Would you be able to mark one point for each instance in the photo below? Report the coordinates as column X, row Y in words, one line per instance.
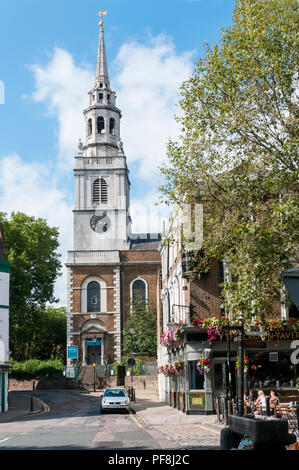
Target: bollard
column 31, row 403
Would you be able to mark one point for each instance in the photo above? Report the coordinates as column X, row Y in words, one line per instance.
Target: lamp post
column 132, row 332
column 240, row 393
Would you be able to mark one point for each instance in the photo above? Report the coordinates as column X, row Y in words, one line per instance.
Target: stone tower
column 108, row 265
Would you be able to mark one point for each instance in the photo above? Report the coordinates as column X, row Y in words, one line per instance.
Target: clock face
column 100, row 222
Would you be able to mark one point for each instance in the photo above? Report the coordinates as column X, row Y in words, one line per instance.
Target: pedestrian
column 260, row 403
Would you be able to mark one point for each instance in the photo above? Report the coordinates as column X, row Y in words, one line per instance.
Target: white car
column 115, row 398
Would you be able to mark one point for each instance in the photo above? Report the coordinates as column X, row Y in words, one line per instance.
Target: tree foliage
column 237, row 153
column 144, row 320
column 32, row 252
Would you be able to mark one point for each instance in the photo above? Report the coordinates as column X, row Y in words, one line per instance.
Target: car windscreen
column 115, row 393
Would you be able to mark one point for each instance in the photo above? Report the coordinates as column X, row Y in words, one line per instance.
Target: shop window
column 93, row 297
column 196, row 380
column 267, row 369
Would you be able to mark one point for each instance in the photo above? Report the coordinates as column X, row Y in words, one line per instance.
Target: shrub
column 34, row 369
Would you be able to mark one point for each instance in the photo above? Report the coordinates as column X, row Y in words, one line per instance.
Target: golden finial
column 101, row 14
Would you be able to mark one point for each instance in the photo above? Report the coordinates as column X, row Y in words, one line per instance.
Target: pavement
column 149, row 412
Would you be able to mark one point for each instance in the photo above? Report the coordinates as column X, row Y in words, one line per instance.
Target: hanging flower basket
column 245, row 362
column 203, row 366
column 179, row 366
column 167, row 338
column 169, row 370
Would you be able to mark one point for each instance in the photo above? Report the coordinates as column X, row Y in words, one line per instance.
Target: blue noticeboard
column 72, row 352
column 98, row 342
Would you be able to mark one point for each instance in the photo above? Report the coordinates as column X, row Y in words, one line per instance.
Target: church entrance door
column 93, row 352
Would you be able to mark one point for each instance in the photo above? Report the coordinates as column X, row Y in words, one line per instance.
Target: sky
column 47, row 66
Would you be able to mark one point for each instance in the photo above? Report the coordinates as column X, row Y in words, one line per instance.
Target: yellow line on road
column 135, row 419
column 208, row 429
column 44, row 405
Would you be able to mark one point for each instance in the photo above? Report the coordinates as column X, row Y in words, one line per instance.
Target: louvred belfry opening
column 96, row 191
column 104, row 190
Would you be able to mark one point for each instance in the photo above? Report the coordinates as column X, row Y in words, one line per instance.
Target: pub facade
column 194, row 344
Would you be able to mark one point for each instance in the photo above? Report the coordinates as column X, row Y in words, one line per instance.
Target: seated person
column 250, row 399
column 260, row 403
column 267, row 382
column 274, row 400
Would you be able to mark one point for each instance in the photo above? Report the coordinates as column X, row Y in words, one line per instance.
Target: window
column 101, row 85
column 89, row 125
column 104, row 191
column 96, row 191
column 100, row 124
column 197, row 381
column 93, row 297
column 100, row 96
column 111, row 125
column 108, row 98
column 139, row 291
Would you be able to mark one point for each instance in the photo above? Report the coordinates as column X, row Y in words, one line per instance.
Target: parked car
column 115, row 398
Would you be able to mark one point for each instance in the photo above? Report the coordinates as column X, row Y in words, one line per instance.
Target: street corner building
column 109, row 265
column 198, row 358
column 4, row 322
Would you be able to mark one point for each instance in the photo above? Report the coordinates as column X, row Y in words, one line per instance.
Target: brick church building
column 109, row 265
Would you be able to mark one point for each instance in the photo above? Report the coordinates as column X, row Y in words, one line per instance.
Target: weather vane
column 101, row 14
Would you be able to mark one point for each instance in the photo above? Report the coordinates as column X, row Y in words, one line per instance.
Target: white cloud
column 63, row 87
column 148, row 80
column 147, row 216
column 30, row 188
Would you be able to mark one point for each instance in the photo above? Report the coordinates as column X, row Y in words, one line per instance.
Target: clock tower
column 109, row 266
column 101, row 213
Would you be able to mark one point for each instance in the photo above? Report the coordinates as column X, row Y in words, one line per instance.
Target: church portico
column 92, row 339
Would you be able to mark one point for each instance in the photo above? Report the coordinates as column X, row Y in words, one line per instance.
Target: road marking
column 6, row 439
column 135, row 419
column 44, row 405
column 208, row 429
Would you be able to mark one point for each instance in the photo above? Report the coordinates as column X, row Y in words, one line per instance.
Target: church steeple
column 102, row 116
column 101, row 69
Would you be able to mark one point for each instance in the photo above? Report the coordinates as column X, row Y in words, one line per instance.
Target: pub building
column 269, row 367
column 191, row 388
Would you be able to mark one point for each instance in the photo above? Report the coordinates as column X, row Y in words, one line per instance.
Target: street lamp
column 132, row 332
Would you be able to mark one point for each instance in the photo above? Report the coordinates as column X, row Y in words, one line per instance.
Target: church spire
column 102, row 69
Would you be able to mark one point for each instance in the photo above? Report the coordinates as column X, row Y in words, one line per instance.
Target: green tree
column 31, row 249
column 144, row 320
column 48, row 334
column 238, row 151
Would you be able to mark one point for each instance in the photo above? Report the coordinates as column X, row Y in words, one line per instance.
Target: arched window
column 112, row 126
column 96, row 190
column 104, row 191
column 89, row 125
column 93, row 297
column 100, row 124
column 139, row 291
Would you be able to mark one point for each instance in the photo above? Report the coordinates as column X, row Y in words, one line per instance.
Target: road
column 72, row 421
